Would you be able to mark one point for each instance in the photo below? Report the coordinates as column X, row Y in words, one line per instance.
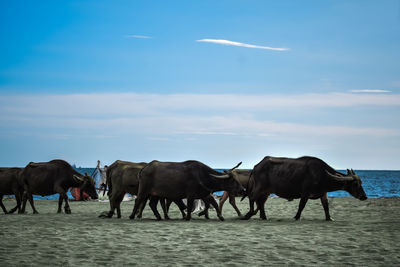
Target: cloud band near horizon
column 233, row 43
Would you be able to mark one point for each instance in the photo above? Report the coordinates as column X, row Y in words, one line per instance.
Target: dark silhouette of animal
column 122, row 178
column 178, row 180
column 304, row 178
column 11, row 184
column 56, row 176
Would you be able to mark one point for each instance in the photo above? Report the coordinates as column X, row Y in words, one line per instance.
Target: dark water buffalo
column 304, row 178
column 179, row 180
column 121, row 179
column 56, row 176
column 11, row 184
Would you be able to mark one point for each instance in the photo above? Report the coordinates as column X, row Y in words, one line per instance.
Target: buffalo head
column 88, row 186
column 354, row 187
column 229, row 183
column 352, row 184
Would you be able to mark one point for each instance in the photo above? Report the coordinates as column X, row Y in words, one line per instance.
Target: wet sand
column 363, row 234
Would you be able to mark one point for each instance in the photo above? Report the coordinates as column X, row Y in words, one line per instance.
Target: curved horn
column 225, row 176
column 340, row 178
column 76, row 177
column 235, row 166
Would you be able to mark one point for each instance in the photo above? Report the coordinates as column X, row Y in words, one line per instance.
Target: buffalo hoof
column 246, row 217
column 296, row 218
column 105, row 214
column 221, row 218
column 201, row 213
column 132, row 217
column 35, row 212
column 67, row 211
column 329, row 219
column 11, row 211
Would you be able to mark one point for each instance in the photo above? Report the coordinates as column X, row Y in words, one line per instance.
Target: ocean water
column 376, row 184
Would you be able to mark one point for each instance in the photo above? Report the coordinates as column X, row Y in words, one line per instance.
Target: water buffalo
column 56, row 176
column 178, row 180
column 11, row 184
column 304, row 178
column 121, row 178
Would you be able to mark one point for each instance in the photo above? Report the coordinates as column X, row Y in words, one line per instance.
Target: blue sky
column 216, row 81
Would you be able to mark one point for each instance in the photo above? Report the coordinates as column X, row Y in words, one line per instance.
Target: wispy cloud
column 138, row 36
column 229, row 115
column 376, row 91
column 227, row 42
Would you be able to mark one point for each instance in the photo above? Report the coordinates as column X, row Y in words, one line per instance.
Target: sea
column 376, row 184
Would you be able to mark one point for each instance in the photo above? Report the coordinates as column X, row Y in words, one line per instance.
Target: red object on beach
column 75, row 192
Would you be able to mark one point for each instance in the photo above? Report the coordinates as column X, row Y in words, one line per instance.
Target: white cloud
column 138, row 36
column 181, row 114
column 227, row 42
column 370, row 91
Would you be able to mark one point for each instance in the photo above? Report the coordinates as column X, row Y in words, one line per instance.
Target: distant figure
column 100, row 176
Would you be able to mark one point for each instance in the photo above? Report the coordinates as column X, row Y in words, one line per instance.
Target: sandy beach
column 363, row 234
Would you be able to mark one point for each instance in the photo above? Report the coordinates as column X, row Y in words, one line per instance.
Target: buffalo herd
column 166, row 182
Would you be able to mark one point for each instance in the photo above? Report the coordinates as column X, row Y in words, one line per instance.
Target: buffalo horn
column 78, row 178
column 236, row 166
column 225, row 176
column 340, row 178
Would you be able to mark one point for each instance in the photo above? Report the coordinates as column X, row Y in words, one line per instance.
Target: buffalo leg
column 29, row 196
column 2, row 205
column 141, row 208
column 24, row 196
column 222, row 200
column 18, row 199
column 210, row 200
column 67, row 209
column 181, row 207
column 206, row 209
column 260, row 206
column 189, row 208
column 302, row 204
column 164, row 208
column 232, row 201
column 60, row 201
column 117, row 205
column 138, row 202
column 251, row 210
column 153, row 206
column 324, row 201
